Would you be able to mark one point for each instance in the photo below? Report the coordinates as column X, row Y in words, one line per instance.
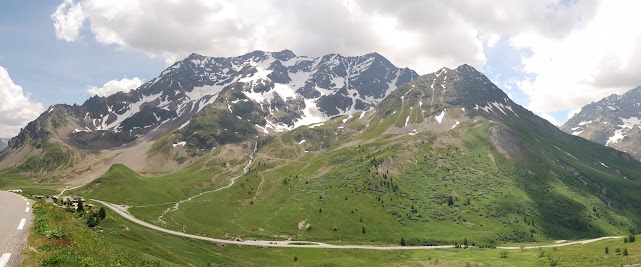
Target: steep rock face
column 614, row 121
column 505, row 141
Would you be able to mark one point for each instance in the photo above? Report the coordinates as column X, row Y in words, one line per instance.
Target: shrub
column 92, row 221
column 102, row 213
column 503, row 254
column 56, row 234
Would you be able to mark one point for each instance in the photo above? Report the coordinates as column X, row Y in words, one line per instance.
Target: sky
column 552, row 57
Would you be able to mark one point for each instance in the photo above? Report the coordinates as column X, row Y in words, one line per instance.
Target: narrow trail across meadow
column 231, row 183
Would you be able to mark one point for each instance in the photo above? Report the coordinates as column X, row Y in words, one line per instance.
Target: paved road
column 15, row 221
column 122, row 211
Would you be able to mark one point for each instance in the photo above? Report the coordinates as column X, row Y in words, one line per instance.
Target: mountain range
column 276, row 145
column 265, row 93
column 613, row 121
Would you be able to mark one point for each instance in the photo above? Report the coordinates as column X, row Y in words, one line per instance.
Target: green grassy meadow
column 116, row 241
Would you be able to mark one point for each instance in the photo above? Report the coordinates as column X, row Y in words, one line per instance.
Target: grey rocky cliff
column 614, row 121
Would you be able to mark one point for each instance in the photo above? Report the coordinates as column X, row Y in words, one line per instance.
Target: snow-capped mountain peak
column 613, row 121
column 274, row 91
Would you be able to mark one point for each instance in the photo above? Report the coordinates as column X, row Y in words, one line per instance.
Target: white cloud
column 574, row 52
column 114, row 86
column 422, row 34
column 597, row 58
column 16, row 110
column 172, row 30
column 549, row 118
column 67, row 20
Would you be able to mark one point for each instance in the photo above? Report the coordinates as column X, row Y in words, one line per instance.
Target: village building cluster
column 65, row 201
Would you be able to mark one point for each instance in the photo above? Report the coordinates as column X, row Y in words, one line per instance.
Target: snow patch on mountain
column 182, row 143
column 631, row 122
column 311, row 114
column 456, row 123
column 618, row 136
column 439, row 117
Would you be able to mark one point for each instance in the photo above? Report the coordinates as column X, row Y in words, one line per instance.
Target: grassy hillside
column 122, row 185
column 12, row 179
column 399, row 186
column 59, row 238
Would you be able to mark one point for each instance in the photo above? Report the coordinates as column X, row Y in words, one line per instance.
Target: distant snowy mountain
column 4, row 142
column 614, row 121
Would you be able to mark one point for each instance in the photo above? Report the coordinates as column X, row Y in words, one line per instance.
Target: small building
column 72, row 199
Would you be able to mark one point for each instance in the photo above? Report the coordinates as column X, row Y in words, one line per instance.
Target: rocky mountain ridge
column 274, row 91
column 614, row 121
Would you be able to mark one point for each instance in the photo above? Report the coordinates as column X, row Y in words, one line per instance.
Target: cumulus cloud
column 172, row 30
column 67, row 20
column 549, row 118
column 424, row 35
column 573, row 52
column 114, row 86
column 16, row 110
column 594, row 60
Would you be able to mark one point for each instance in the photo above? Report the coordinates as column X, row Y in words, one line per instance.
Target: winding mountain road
column 122, row 211
column 15, row 221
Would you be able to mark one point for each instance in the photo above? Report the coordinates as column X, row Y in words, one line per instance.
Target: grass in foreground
column 60, row 238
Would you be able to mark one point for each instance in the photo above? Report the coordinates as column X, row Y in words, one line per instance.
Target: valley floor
column 122, row 211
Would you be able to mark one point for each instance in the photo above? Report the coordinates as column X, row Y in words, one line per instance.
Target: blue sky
column 56, row 71
column 550, row 56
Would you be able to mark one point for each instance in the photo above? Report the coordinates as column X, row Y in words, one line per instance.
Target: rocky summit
column 614, row 121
